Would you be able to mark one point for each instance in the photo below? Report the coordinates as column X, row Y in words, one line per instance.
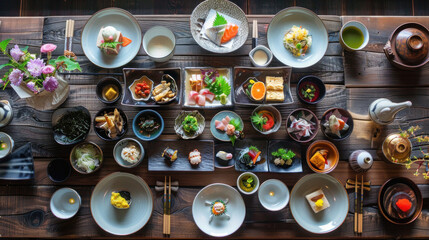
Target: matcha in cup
column 354, row 36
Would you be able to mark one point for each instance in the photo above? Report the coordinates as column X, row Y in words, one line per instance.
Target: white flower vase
column 45, row 100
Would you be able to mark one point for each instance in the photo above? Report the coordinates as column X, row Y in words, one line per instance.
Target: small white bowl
column 60, row 205
column 5, row 138
column 255, row 178
column 117, row 150
column 359, row 26
column 266, row 50
column 163, row 50
column 273, row 194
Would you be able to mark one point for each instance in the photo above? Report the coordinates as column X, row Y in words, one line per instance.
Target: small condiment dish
column 276, row 115
column 7, row 144
column 319, row 89
column 254, row 58
column 159, row 43
column 240, row 186
column 65, row 203
column 73, row 157
column 137, row 130
column 273, row 194
column 333, row 155
column 119, row 146
column 58, row 170
column 103, row 86
column 132, row 87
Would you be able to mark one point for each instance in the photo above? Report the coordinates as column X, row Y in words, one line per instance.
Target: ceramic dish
column 65, row 203
column 297, row 16
column 119, row 221
column 187, row 88
column 273, row 195
column 58, row 170
column 310, row 117
column 228, row 8
column 295, row 147
column 179, row 126
column 253, row 57
column 19, row 165
column 148, row 115
column 315, row 85
column 332, row 159
column 218, row 134
column 242, row 148
column 156, row 75
column 101, row 133
column 157, row 162
column 235, row 208
column 243, row 74
column 74, row 157
column 143, row 80
column 159, row 43
column 228, row 148
column 83, row 123
column 7, row 144
column 400, row 188
column 340, row 114
column 124, row 22
column 243, row 179
column 273, row 112
column 103, row 86
column 327, row 220
column 119, row 147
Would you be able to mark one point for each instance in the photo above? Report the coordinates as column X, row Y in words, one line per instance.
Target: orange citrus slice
column 258, row 91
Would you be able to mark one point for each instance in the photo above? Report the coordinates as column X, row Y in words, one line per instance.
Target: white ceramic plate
column 121, row 221
column 285, row 20
column 324, row 221
column 124, row 22
column 235, row 208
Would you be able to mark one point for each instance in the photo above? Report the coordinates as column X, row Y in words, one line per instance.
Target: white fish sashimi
column 201, row 100
column 224, row 155
column 219, row 125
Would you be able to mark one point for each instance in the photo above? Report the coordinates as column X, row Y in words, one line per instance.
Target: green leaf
column 24, row 49
column 4, row 43
column 236, row 123
column 110, row 44
column 5, row 65
column 70, row 63
column 219, row 20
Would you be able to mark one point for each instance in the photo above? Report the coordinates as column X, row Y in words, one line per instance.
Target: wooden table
column 354, row 81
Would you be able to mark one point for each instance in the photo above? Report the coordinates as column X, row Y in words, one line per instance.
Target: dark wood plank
column 380, row 7
column 269, row 6
column 10, row 8
column 370, row 67
column 322, row 7
column 421, row 8
column 65, row 7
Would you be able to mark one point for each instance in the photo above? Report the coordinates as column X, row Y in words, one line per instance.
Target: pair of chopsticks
column 358, row 215
column 68, row 38
column 255, row 33
column 167, row 207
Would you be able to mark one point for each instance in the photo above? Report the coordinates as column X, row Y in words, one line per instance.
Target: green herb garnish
column 285, row 155
column 219, row 86
column 258, row 120
column 219, row 20
column 110, row 44
column 308, row 91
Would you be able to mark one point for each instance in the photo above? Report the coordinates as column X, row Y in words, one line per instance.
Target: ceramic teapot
column 383, row 111
column 407, row 47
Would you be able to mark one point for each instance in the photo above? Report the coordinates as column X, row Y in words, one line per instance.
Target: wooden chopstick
column 164, row 225
column 255, row 33
column 350, row 186
column 360, row 217
column 356, row 207
column 169, row 206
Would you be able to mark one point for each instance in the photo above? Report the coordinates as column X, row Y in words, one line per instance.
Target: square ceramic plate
column 131, row 74
column 227, row 72
column 296, row 166
column 226, row 147
column 240, row 145
column 242, row 74
column 158, row 163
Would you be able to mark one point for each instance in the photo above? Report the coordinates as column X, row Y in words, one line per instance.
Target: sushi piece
column 318, row 201
column 194, row 157
column 218, row 209
column 169, row 154
column 224, row 155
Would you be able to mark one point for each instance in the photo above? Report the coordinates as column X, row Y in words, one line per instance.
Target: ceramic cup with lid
column 159, row 43
column 396, row 149
column 354, row 27
column 360, row 161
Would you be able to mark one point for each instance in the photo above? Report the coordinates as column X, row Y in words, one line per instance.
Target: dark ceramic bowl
column 155, row 134
column 345, row 115
column 298, row 113
column 59, row 136
column 333, row 155
column 317, row 83
column 277, row 118
column 103, row 134
column 59, row 170
column 105, row 82
column 396, row 182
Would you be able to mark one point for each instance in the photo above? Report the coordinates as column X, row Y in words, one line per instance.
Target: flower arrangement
column 422, row 160
column 36, row 73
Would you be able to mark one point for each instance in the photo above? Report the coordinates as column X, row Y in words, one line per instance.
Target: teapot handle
column 388, row 50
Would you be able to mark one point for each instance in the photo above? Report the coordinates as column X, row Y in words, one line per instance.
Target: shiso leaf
column 219, row 20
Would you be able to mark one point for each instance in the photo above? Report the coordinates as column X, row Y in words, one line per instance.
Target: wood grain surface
column 353, row 80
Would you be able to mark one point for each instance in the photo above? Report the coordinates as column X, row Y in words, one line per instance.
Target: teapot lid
column 409, row 45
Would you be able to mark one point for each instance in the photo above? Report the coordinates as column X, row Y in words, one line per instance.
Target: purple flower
column 33, row 87
column 16, row 53
column 47, row 48
column 35, row 67
column 50, row 84
column 16, row 76
column 48, row 69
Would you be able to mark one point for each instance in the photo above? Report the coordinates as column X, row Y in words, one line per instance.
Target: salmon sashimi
column 231, row 31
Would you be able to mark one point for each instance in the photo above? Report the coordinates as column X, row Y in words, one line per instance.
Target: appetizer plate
column 60, row 137
column 242, row 75
column 158, row 163
column 124, row 22
column 121, row 221
column 295, row 147
column 261, row 166
column 298, row 16
column 226, row 147
column 218, row 134
column 226, row 7
column 226, row 72
column 155, row 75
column 178, row 126
column 324, row 221
column 101, row 133
column 235, row 208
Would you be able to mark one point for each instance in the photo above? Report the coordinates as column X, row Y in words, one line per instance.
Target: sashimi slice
column 191, row 101
column 226, row 120
column 193, row 95
column 231, row 31
column 219, row 125
column 201, row 100
column 210, row 97
column 204, row 91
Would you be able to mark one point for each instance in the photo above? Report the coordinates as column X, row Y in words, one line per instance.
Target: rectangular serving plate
column 296, row 166
column 187, row 88
column 241, row 74
column 155, row 74
column 157, row 163
column 240, row 145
